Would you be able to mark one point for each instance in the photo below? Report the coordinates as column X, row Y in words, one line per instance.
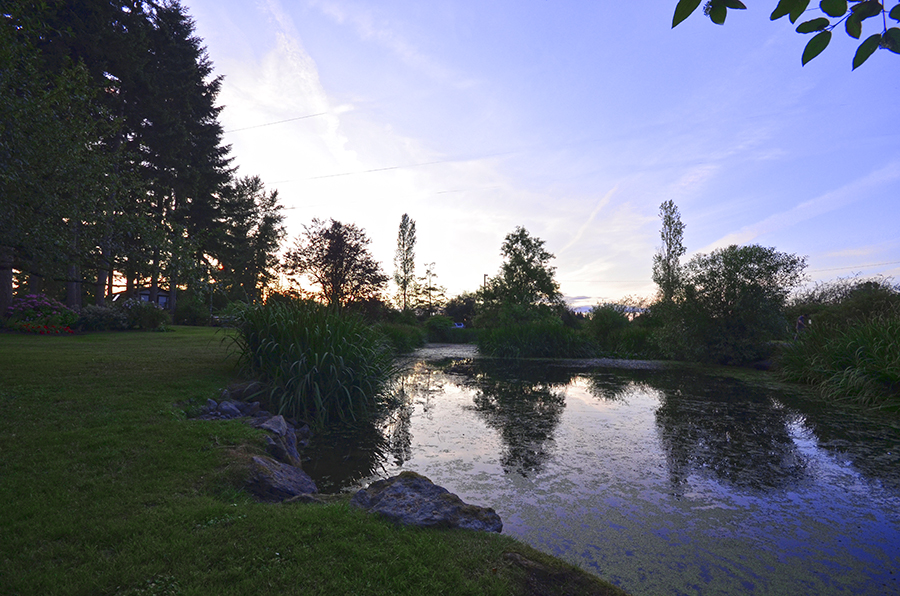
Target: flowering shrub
column 41, row 329
column 37, row 313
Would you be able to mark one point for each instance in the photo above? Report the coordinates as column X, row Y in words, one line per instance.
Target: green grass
column 318, row 365
column 107, row 488
column 856, row 361
column 545, row 339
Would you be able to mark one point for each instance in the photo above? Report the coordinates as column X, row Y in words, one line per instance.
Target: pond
column 661, row 480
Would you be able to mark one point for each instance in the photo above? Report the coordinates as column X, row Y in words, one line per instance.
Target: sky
column 573, row 119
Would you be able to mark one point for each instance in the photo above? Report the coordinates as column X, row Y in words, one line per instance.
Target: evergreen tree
column 249, row 235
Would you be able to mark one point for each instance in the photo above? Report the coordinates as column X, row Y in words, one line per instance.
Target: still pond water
column 661, row 481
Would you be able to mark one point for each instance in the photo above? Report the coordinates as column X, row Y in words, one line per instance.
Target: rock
column 282, row 445
column 412, row 499
column 228, row 409
column 273, row 481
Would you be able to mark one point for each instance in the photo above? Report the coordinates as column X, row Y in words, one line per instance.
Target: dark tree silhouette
column 335, row 257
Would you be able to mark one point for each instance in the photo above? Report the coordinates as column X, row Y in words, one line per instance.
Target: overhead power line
column 855, row 267
column 274, row 123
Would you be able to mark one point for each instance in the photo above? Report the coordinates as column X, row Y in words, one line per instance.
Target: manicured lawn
column 107, row 488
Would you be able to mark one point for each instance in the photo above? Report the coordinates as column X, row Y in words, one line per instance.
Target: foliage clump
column 318, row 364
column 849, row 348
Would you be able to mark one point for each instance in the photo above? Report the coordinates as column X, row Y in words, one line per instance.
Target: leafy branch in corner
column 851, row 14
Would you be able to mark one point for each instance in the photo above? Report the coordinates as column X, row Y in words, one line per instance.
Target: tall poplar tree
column 404, row 260
column 666, row 261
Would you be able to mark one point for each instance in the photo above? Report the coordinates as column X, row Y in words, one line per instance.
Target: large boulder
column 273, row 481
column 412, row 499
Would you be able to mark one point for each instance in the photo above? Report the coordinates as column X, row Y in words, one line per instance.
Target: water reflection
column 524, row 411
column 663, row 481
column 735, row 432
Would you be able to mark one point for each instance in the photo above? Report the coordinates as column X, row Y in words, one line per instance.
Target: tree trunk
column 6, row 279
column 35, row 283
column 103, row 274
column 154, row 277
column 73, row 287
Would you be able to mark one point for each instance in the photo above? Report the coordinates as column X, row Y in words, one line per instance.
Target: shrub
column 403, row 338
column 850, row 351
column 859, row 361
column 318, row 365
column 142, row 314
column 190, row 311
column 37, row 313
column 543, row 339
column 438, row 328
column 101, row 318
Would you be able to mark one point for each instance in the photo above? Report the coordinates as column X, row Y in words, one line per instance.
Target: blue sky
column 572, row 119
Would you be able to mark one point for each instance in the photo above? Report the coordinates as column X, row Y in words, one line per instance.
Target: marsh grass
column 317, row 364
column 858, row 360
column 544, row 339
column 402, row 337
column 107, row 488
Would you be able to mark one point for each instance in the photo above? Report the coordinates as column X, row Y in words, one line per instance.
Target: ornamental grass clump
column 37, row 313
column 317, row 364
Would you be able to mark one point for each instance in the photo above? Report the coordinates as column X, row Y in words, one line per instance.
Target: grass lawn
column 107, row 488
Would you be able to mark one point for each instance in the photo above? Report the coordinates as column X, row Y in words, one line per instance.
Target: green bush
column 850, row 350
column 318, row 365
column 438, row 328
column 542, row 339
column 190, row 311
column 142, row 314
column 101, row 318
column 403, row 338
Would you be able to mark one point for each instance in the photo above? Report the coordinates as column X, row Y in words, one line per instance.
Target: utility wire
column 855, row 267
column 274, row 123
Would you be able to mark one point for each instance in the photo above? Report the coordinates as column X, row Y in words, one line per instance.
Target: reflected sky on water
column 662, row 481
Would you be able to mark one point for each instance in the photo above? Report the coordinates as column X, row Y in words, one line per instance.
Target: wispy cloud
column 830, row 201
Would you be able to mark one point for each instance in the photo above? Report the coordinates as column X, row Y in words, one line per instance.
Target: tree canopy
column 666, row 261
column 525, row 288
column 834, row 13
column 335, row 257
column 404, row 260
column 111, row 153
column 732, row 302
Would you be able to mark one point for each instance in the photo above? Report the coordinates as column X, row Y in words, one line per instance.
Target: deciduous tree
column 526, row 288
column 335, row 257
column 666, row 261
column 404, row 260
column 733, row 302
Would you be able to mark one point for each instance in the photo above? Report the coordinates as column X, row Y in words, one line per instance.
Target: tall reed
column 545, row 339
column 317, row 364
column 857, row 360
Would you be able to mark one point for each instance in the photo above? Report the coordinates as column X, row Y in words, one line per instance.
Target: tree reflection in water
column 523, row 402
column 735, row 432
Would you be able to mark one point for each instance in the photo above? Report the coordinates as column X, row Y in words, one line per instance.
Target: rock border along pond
column 407, row 498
